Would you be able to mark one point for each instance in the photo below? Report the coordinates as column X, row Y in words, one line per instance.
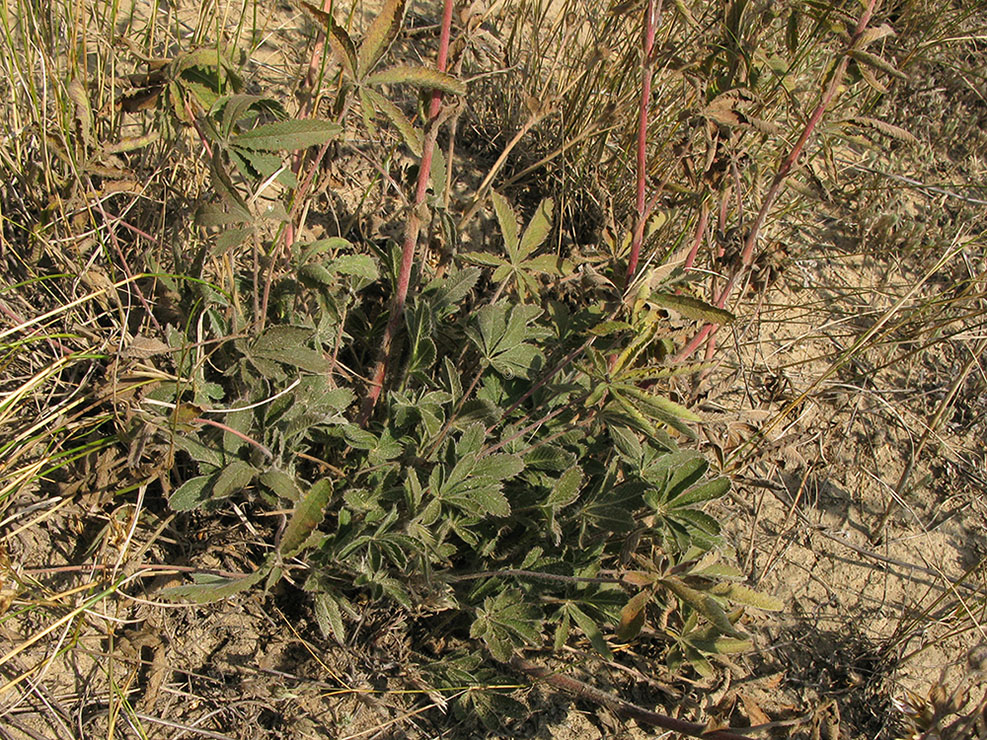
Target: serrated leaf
column 429, row 79
column 482, row 258
column 744, row 595
column 380, row 35
column 872, row 60
column 491, row 500
column 280, row 484
column 230, row 239
column 411, row 135
column 498, row 467
column 591, row 630
column 632, row 616
column 358, row 265
column 234, row 477
column 453, row 288
column 330, row 618
column 508, row 223
column 214, row 215
column 339, row 40
column 693, row 308
column 213, row 589
column 606, row 328
column 288, row 135
column 82, row 110
column 192, row 493
column 566, row 488
column 538, row 228
column 307, row 516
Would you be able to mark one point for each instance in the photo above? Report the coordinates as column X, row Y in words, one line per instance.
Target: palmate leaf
column 703, row 603
column 501, row 338
column 428, row 79
column 506, row 621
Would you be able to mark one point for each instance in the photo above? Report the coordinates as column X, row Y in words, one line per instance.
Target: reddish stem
column 745, row 258
column 413, row 226
column 648, row 43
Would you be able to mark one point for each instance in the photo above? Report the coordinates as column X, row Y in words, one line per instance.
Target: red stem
column 783, row 171
column 413, row 226
column 648, row 43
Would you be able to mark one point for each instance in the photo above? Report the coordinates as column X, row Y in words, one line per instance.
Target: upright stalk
column 648, row 45
column 413, row 225
column 786, row 166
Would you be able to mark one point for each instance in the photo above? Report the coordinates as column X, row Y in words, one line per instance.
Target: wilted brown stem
column 619, row 706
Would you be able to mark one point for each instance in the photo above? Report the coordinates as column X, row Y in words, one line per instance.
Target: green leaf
column 744, row 595
column 358, row 265
column 230, row 239
column 285, row 344
column 380, row 35
column 872, row 60
column 234, row 477
column 483, row 258
column 566, row 488
column 288, row 135
column 707, row 491
column 192, row 493
column 508, row 223
column 212, row 588
column 490, row 500
column 538, row 228
column 591, row 630
column 498, row 467
column 307, row 516
column 659, row 406
column 423, row 77
column 412, row 136
column 506, row 621
column 693, row 308
column 329, row 617
column 704, row 604
column 280, row 484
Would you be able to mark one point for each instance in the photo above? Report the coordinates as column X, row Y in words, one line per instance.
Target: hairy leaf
column 288, row 135
column 418, row 76
column 306, row 517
